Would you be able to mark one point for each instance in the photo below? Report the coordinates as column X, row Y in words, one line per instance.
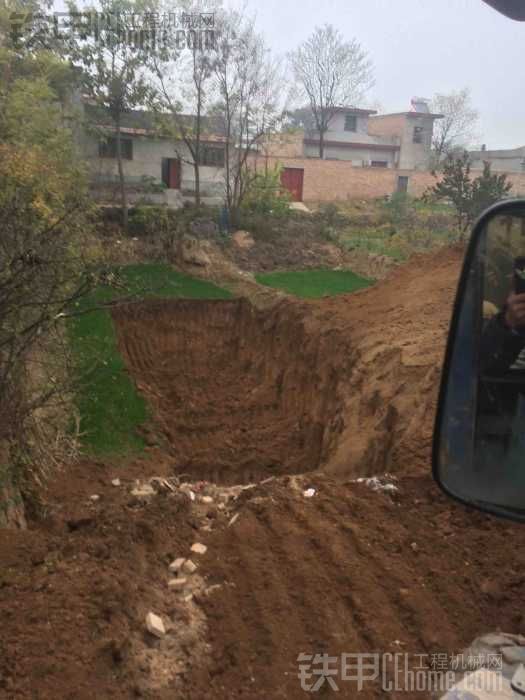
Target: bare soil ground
column 314, row 394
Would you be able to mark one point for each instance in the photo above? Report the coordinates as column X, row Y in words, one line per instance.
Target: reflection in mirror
column 481, row 455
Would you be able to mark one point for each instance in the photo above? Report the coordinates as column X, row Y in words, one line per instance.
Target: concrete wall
column 500, row 165
column 412, row 156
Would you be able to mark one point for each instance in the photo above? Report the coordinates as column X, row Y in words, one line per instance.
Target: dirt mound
column 347, row 384
column 297, row 245
column 76, row 587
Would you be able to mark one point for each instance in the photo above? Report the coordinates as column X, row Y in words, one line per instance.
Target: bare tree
column 332, row 73
column 250, row 98
column 457, row 127
column 185, row 83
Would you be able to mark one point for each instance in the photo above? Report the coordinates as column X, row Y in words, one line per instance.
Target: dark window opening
column 418, row 134
column 379, row 163
column 350, row 122
column 211, row 155
column 108, row 148
column 402, row 183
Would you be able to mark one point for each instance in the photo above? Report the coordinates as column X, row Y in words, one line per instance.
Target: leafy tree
column 44, row 213
column 300, row 118
column 265, row 194
column 488, row 189
column 469, row 196
column 331, row 73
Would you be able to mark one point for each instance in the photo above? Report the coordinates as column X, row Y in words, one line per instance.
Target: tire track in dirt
column 396, row 579
column 340, row 551
column 301, row 555
column 289, row 535
column 253, row 609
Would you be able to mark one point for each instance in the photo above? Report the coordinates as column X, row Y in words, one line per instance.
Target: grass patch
column 376, row 243
column 398, row 246
column 396, row 228
column 110, row 406
column 312, row 284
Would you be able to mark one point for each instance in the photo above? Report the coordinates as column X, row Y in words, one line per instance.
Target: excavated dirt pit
column 349, row 570
column 237, row 393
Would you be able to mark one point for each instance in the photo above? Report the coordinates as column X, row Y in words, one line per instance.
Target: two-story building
column 367, row 139
column 348, row 138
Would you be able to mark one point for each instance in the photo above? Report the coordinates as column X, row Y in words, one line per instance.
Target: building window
column 418, row 134
column 108, row 148
column 211, row 155
column 350, row 122
column 379, row 163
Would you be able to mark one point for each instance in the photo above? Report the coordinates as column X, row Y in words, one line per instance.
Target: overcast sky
column 420, row 47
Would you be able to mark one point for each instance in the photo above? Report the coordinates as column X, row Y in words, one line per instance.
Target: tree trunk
column 196, row 160
column 196, row 169
column 123, row 195
column 321, row 144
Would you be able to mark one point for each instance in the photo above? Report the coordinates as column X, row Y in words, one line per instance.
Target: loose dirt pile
column 336, row 389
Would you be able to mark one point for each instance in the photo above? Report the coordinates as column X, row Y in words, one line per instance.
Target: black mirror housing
column 514, row 9
column 478, row 454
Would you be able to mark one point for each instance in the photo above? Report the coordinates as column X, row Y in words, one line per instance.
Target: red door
column 292, row 180
column 174, row 174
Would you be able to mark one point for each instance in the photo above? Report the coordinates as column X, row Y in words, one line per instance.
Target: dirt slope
column 349, row 570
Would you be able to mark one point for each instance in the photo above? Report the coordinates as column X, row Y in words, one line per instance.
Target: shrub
column 469, row 196
column 265, row 195
column 148, row 219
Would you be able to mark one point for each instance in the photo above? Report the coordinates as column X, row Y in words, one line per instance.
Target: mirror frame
column 505, row 207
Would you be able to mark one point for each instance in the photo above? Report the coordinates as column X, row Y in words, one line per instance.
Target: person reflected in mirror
column 500, row 424
column 503, row 338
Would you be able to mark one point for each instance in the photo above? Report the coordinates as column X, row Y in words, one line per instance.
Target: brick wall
column 332, row 180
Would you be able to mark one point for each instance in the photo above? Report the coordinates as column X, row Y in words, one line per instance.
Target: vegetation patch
column 312, row 284
column 397, row 227
column 110, row 407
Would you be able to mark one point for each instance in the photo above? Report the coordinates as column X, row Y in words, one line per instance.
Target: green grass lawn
column 312, row 284
column 110, row 406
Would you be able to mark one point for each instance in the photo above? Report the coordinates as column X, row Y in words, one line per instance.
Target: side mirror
column 478, row 453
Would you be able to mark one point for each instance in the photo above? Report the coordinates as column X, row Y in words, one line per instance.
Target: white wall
column 147, row 161
column 336, row 128
column 356, row 155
